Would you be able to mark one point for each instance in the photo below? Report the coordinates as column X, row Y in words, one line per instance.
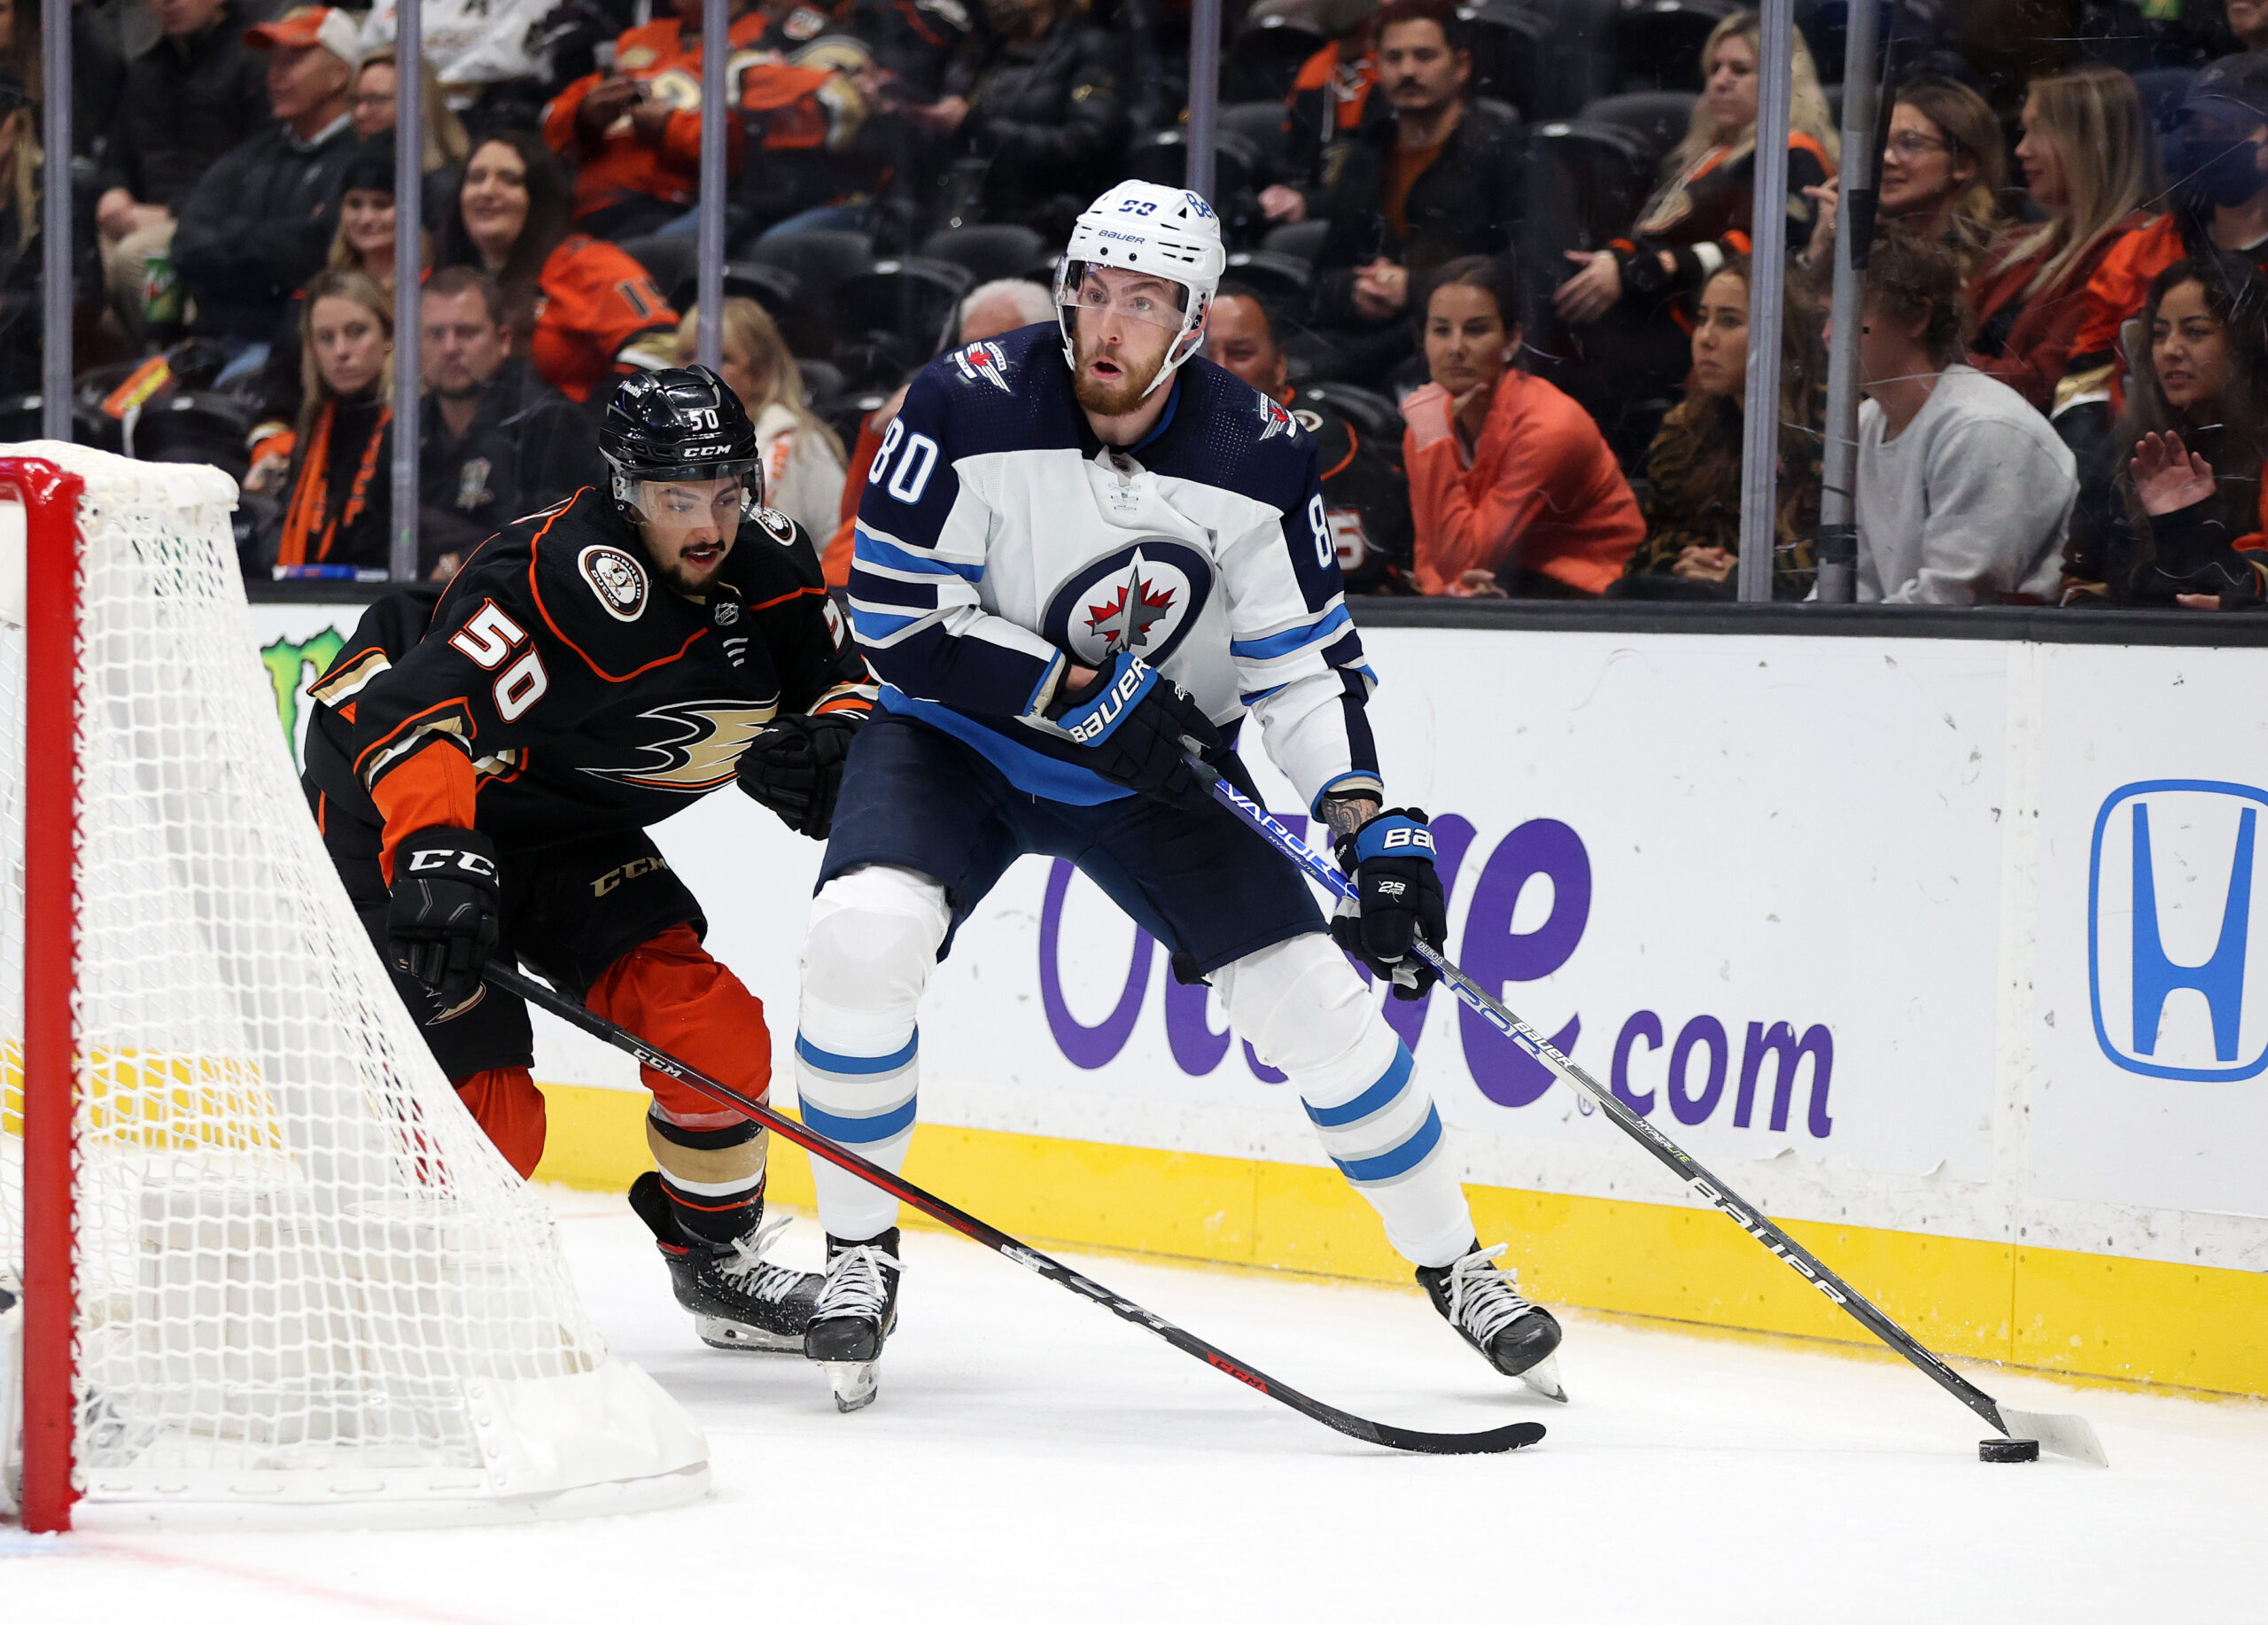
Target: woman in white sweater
column 803, row 459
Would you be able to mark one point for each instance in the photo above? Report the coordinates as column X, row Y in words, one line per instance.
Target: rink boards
column 1943, row 950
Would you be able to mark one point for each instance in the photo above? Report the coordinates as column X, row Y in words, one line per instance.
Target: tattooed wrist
column 1343, row 815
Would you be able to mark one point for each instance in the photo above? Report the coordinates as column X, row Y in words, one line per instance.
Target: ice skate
column 855, row 1313
column 1485, row 1305
column 738, row 1301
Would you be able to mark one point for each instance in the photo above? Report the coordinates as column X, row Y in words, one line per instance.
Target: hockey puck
column 2008, row 1449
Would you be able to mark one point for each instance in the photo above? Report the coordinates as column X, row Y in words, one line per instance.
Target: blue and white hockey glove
column 1140, row 729
column 1399, row 893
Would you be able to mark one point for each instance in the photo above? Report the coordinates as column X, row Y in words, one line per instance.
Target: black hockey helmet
column 679, row 422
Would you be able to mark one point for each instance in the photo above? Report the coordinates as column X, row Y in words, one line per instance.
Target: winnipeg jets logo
column 1275, row 419
column 1139, row 600
column 987, row 362
column 698, row 748
column 1124, row 618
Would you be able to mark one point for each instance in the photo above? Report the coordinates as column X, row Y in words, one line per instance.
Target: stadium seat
column 1262, row 124
column 893, row 316
column 673, row 262
column 991, row 253
column 1264, row 59
column 1280, row 278
column 1372, row 414
column 2162, row 89
column 817, row 259
column 1658, row 46
column 1302, row 239
column 1575, row 62
column 1510, row 51
column 198, row 426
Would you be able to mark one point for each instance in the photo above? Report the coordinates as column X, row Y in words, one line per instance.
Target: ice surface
column 1033, row 1458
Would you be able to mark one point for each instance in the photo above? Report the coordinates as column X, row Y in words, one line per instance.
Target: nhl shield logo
column 1140, row 600
column 617, row 581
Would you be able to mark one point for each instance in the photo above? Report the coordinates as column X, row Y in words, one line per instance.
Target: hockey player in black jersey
column 484, row 776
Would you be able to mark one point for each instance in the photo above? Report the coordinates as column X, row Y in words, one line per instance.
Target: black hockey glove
column 795, row 767
column 444, row 915
column 1391, row 858
column 1140, row 729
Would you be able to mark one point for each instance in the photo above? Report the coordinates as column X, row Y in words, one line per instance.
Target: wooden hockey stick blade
column 2065, row 1435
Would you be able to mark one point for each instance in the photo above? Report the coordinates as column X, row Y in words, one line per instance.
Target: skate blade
column 736, row 1338
column 855, row 1383
column 1543, row 1376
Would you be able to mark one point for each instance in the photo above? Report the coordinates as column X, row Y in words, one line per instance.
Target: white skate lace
column 770, row 1283
column 855, row 1285
column 1483, row 1299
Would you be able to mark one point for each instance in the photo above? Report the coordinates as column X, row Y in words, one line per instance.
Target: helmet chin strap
column 1186, row 342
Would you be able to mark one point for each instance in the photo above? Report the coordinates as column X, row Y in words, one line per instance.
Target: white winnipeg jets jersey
column 999, row 542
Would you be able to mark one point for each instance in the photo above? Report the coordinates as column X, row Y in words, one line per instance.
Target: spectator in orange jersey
column 1329, row 102
column 634, row 132
column 1511, row 486
column 2088, row 156
column 1699, row 216
column 587, row 311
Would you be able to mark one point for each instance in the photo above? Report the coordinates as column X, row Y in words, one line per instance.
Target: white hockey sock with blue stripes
column 1307, row 1014
column 867, row 954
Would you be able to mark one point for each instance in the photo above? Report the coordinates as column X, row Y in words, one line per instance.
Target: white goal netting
column 307, row 1285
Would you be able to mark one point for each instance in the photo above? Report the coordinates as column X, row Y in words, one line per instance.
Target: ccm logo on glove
column 469, row 863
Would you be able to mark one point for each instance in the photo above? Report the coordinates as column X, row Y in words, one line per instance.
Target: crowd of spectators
column 1494, row 259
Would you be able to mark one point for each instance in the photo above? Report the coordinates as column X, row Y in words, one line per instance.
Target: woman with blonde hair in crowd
column 1943, row 167
column 371, row 104
column 337, row 502
column 803, row 457
column 1512, row 490
column 22, row 275
column 1693, row 468
column 2090, row 161
column 1699, row 216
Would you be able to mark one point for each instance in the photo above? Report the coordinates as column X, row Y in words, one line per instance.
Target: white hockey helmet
column 1159, row 231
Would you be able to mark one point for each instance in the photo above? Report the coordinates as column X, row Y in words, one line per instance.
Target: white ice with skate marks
column 1033, row 1458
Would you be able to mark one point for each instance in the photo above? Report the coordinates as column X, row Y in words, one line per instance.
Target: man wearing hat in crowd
column 260, row 222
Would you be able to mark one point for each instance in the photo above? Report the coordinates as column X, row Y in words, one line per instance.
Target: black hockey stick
column 2065, row 1435
column 1490, row 1443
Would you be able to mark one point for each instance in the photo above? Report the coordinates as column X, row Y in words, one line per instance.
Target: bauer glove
column 795, row 767
column 444, row 913
column 1140, row 729
column 1391, row 860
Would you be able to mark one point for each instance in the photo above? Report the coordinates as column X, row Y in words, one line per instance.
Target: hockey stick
column 1489, row 1442
column 2066, row 1435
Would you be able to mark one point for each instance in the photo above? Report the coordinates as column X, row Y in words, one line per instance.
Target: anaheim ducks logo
column 700, row 748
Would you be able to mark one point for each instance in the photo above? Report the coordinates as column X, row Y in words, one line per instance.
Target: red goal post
column 269, row 1270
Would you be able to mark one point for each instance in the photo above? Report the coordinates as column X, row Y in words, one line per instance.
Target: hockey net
column 302, row 1284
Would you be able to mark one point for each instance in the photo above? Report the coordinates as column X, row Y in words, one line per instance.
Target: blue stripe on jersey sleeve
column 870, row 625
column 870, row 548
column 1277, row 644
column 867, row 588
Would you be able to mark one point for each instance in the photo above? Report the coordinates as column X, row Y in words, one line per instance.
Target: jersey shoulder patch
column 778, row 525
column 1230, row 436
column 984, row 362
column 1007, row 394
column 618, row 579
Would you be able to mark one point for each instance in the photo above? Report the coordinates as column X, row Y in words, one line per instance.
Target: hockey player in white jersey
column 1081, row 555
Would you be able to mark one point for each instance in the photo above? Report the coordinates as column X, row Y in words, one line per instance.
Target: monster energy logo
column 291, row 665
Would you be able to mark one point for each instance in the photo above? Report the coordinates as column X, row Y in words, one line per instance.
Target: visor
column 1147, row 306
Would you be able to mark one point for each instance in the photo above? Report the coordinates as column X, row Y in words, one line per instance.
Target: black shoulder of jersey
column 774, row 557
column 1224, row 432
